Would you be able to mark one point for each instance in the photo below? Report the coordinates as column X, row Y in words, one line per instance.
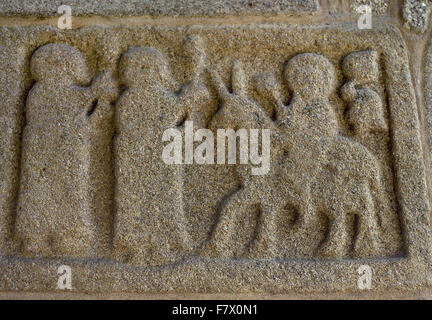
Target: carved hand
column 105, row 87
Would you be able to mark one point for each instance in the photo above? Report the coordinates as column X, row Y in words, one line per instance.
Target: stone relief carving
column 315, row 168
column 11, row 121
column 365, row 112
column 238, row 111
column 331, row 193
column 60, row 130
column 340, row 180
column 147, row 108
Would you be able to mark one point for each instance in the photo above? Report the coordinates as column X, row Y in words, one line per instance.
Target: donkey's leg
column 334, row 245
column 220, row 243
column 367, row 243
column 264, row 245
column 306, row 208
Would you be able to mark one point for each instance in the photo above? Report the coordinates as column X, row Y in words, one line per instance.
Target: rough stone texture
column 11, row 122
column 379, row 7
column 427, row 86
column 159, row 7
column 416, row 14
column 83, row 184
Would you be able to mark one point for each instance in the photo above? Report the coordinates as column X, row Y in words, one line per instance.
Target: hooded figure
column 150, row 224
column 53, row 213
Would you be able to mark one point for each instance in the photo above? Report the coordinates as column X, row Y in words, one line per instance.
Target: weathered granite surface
column 379, row 7
column 84, row 112
column 159, row 7
column 416, row 14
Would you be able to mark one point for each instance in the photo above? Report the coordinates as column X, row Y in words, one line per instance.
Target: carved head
column 266, row 85
column 310, row 76
column 361, row 67
column 140, row 65
column 59, row 62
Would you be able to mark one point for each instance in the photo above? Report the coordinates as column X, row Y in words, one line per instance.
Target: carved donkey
column 309, row 127
column 237, row 111
column 343, row 176
column 348, row 182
